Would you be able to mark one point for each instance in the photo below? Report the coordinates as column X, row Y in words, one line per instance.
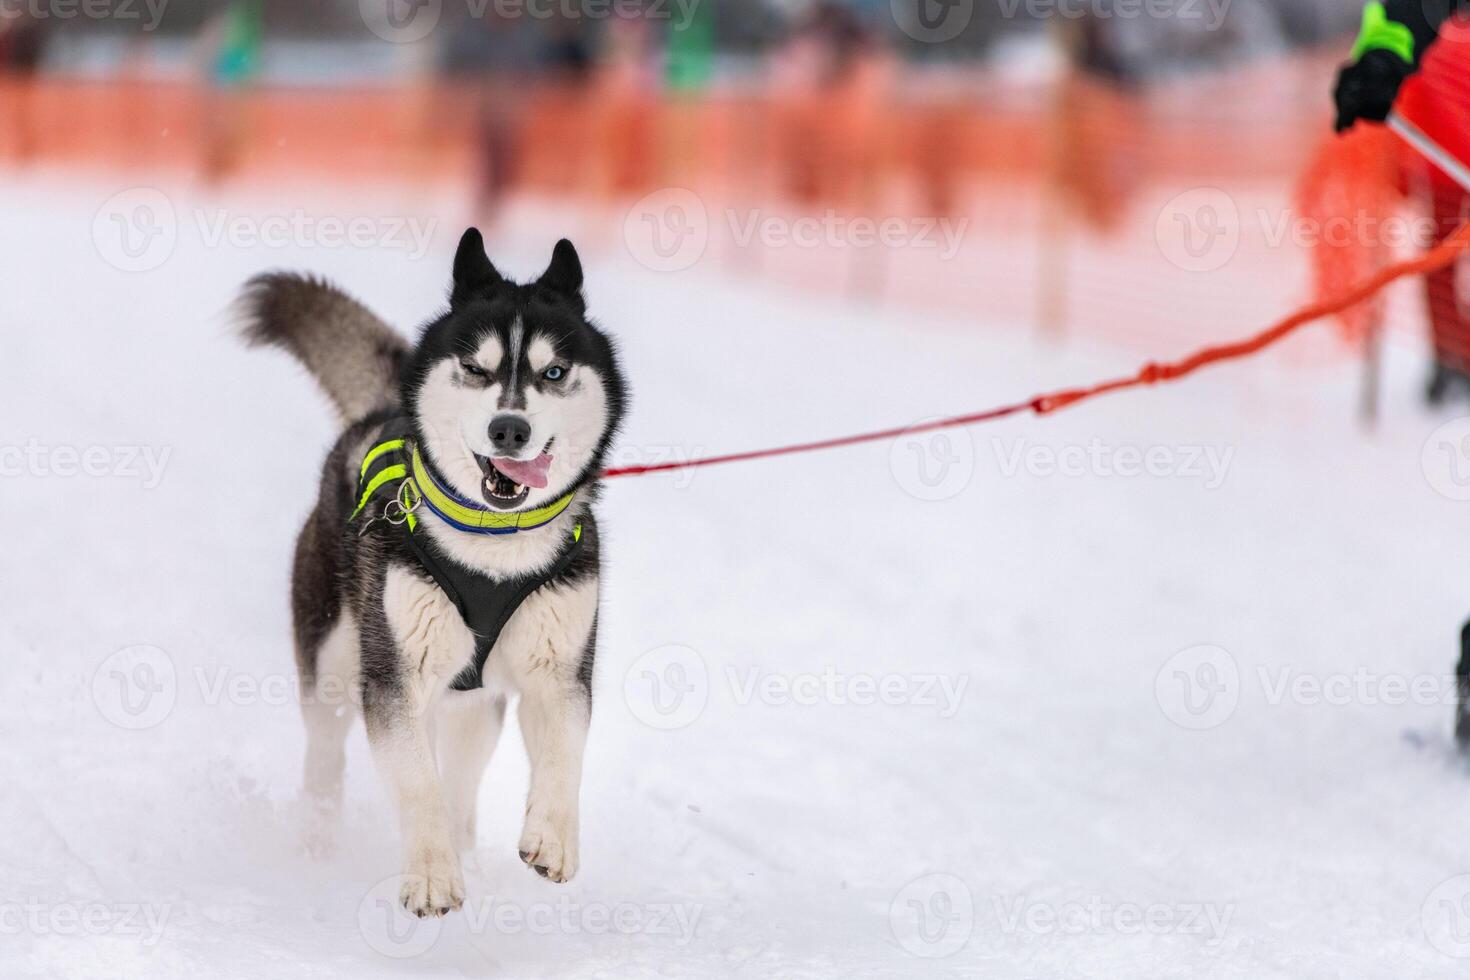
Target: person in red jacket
column 1391, row 45
column 1390, row 48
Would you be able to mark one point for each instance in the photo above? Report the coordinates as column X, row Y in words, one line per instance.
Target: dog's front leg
column 556, row 630
column 396, row 725
column 554, row 712
column 420, row 640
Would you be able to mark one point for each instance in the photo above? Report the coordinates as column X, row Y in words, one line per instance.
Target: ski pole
column 1428, row 148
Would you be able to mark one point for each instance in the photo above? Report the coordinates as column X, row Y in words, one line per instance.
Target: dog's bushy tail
column 353, row 354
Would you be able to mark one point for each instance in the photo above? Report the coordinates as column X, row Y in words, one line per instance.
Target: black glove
column 1366, row 88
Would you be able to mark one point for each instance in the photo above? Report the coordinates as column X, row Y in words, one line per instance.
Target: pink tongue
column 531, row 472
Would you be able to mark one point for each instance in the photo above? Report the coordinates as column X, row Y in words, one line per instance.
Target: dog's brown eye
column 474, row 369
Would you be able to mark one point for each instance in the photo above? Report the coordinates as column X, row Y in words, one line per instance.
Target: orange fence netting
column 1149, row 217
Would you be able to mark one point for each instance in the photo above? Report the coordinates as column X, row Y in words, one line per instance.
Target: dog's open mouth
column 507, row 482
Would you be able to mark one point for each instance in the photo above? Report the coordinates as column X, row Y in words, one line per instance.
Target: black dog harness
column 394, row 473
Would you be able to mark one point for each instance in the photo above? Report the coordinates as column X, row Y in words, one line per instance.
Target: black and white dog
column 452, row 557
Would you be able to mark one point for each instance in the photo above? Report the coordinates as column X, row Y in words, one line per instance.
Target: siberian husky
column 457, row 501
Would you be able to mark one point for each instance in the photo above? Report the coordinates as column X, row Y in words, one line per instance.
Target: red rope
column 1437, row 258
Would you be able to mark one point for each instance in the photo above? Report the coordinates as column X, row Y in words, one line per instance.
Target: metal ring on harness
column 407, row 500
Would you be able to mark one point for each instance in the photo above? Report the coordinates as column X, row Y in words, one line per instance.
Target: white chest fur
column 432, row 637
column 544, row 640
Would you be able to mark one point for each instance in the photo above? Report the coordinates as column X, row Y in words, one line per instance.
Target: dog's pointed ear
column 473, row 271
column 564, row 274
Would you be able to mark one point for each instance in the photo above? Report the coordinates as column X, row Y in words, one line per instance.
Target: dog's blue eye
column 474, row 369
column 554, row 373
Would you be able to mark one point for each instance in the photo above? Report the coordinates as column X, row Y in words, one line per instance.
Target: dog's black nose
column 509, row 434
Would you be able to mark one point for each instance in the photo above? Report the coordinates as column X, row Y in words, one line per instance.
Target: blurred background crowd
column 1098, row 156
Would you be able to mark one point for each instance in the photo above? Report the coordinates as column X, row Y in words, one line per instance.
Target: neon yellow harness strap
column 375, row 452
column 1378, row 33
column 472, row 517
column 389, row 473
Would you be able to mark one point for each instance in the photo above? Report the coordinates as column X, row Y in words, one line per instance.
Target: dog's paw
column 433, row 883
column 550, row 854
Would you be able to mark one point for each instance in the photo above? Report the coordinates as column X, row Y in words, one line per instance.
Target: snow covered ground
column 972, row 705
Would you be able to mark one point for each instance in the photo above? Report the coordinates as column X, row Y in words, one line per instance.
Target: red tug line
column 1151, row 373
